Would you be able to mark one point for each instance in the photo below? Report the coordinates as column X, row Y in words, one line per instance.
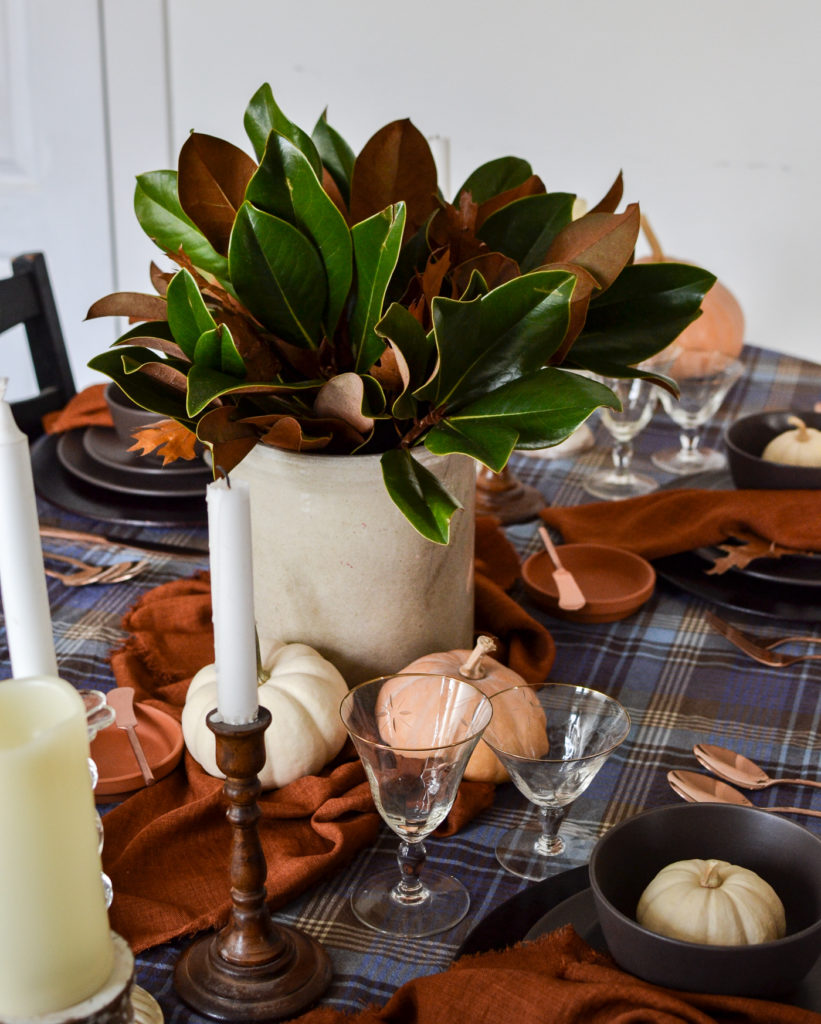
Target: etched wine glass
column 552, row 748
column 703, row 379
column 99, row 715
column 414, row 734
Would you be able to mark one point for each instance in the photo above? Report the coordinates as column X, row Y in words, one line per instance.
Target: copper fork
column 756, row 650
column 85, row 574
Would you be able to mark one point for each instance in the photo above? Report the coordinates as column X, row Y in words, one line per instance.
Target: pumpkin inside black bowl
column 746, row 439
column 784, row 854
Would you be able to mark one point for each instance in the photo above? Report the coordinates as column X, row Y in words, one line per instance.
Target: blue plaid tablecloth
column 681, row 682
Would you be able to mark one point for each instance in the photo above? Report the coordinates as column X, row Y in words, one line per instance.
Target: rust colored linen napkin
column 87, row 408
column 167, row 847
column 668, row 522
column 560, row 979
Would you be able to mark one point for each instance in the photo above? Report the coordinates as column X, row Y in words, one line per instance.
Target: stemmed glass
column 704, row 378
column 414, row 734
column 552, row 747
column 99, row 715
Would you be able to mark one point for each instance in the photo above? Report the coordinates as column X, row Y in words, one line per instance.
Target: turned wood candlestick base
column 253, row 969
column 505, row 496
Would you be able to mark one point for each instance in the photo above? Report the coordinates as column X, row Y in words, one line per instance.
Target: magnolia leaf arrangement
column 328, row 302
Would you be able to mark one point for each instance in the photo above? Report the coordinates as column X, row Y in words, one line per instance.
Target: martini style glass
column 414, row 734
column 552, row 754
column 703, row 380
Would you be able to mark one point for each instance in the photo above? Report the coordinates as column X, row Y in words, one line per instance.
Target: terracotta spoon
column 733, row 767
column 570, row 594
column 695, row 788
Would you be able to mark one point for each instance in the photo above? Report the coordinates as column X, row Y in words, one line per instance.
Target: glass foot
column 682, row 462
column 612, row 486
column 445, row 905
column 518, row 852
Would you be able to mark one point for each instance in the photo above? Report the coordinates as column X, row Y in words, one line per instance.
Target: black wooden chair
column 26, row 298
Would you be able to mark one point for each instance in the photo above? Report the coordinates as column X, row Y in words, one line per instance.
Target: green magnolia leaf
column 279, row 276
column 537, row 411
column 188, row 316
column 205, row 383
column 286, row 186
column 497, row 338
column 494, row 177
column 524, row 229
column 415, row 351
column 263, row 116
column 645, row 309
column 122, row 365
column 376, row 243
column 158, row 210
column 418, row 494
column 335, row 153
column 215, row 350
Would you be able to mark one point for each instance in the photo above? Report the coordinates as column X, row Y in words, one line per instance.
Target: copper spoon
column 121, row 698
column 695, row 788
column 733, row 767
column 570, row 595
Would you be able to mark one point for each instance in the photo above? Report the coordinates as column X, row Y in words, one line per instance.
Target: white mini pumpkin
column 302, row 690
column 712, row 902
column 800, row 446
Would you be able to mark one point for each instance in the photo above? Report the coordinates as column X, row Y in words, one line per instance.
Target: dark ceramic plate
column 54, row 483
column 567, row 898
column 104, row 447
column 125, row 480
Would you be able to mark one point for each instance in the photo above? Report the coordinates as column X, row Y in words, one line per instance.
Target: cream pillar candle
column 232, row 598
column 22, row 581
column 55, row 942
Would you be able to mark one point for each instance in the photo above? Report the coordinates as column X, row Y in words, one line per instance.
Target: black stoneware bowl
column 784, row 853
column 127, row 416
column 747, row 438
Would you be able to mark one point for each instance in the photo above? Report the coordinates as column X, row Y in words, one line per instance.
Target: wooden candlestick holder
column 254, row 968
column 505, row 496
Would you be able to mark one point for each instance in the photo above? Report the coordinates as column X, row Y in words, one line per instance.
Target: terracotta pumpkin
column 490, row 676
column 720, row 328
column 302, row 690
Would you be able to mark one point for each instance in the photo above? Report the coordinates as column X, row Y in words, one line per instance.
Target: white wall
column 710, row 108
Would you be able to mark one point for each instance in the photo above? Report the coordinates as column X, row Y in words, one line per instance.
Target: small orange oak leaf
column 167, row 438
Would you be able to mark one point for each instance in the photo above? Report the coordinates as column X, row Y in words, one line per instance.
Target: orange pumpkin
column 490, row 676
column 720, row 328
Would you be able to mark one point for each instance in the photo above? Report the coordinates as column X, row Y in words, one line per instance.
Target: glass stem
column 689, row 439
column 550, row 818
column 410, row 890
column 622, row 457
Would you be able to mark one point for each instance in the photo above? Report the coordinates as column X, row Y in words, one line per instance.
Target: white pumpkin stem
column 652, row 238
column 263, row 674
column 801, row 433
column 473, row 667
column 709, row 878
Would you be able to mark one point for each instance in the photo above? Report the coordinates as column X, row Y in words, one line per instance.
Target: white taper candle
column 22, row 580
column 232, row 597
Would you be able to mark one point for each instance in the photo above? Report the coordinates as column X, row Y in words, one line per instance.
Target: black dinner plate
column 54, row 483
column 775, row 589
column 566, row 898
column 126, row 480
column 103, row 445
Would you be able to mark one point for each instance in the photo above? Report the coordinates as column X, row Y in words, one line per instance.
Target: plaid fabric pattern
column 680, row 681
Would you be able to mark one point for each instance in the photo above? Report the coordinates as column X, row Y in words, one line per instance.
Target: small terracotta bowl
column 784, row 853
column 615, row 582
column 746, row 439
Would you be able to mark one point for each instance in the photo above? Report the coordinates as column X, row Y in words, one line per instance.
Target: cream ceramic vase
column 338, row 567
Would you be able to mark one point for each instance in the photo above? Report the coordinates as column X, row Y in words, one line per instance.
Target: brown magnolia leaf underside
column 532, row 186
column 211, row 181
column 602, row 243
column 134, row 305
column 341, row 398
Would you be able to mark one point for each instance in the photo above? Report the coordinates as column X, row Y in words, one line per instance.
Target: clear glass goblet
column 638, row 399
column 703, row 378
column 414, row 734
column 552, row 741
column 99, row 715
